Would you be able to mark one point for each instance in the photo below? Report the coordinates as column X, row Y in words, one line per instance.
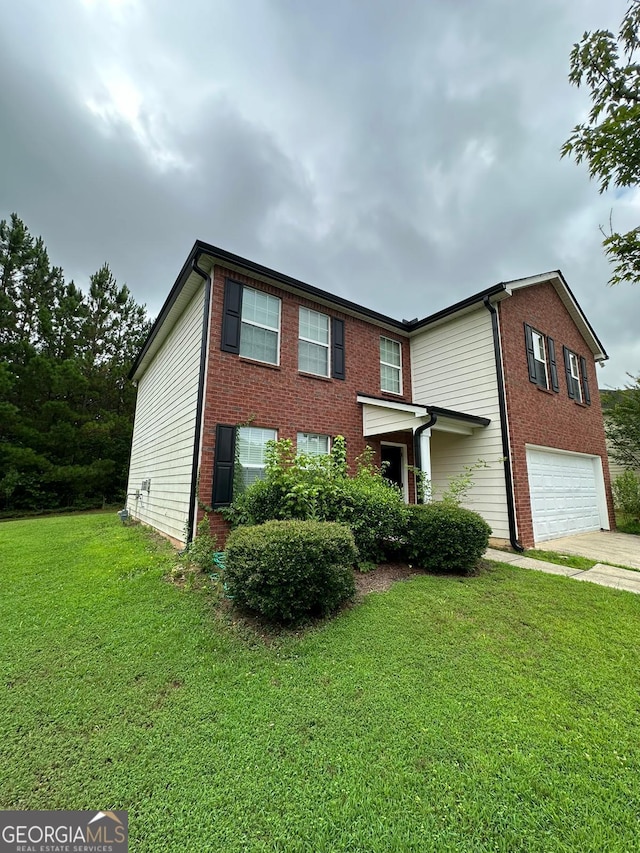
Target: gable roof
column 205, row 256
column 565, row 293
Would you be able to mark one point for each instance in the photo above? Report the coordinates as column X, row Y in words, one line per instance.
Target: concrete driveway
column 605, row 546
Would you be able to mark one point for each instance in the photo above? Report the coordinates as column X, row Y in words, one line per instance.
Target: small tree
column 626, row 493
column 623, row 426
column 609, row 140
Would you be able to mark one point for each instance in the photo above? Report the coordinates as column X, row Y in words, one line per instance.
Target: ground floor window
column 313, row 444
column 251, row 446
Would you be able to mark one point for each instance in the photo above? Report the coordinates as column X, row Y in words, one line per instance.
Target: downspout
column 506, row 452
column 417, row 451
column 200, row 403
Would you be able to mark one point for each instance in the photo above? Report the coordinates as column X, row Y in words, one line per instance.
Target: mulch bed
column 382, row 577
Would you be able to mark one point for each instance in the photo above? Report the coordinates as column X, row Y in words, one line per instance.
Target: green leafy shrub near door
column 290, row 570
column 442, row 537
column 318, row 488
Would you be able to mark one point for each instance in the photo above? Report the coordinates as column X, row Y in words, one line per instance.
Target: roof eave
column 556, row 278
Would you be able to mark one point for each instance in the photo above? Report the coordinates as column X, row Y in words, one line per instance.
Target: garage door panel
column 564, row 491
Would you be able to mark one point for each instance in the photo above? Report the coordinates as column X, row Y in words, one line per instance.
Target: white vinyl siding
column 390, row 366
column 453, row 366
column 165, row 426
column 251, row 447
column 377, row 421
column 260, row 329
column 313, row 444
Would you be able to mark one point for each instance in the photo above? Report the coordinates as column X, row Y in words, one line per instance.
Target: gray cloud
column 401, row 155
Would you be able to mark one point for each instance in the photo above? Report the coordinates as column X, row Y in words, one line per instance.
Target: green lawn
column 575, row 562
column 492, row 713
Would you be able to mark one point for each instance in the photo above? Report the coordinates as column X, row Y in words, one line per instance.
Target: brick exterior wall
column 544, row 417
column 282, row 398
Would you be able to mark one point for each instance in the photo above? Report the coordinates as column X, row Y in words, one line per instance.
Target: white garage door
column 566, row 493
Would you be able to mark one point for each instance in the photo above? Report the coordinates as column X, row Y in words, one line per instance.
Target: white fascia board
column 418, row 411
column 187, row 292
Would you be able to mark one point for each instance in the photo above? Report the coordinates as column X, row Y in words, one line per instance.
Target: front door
column 393, row 464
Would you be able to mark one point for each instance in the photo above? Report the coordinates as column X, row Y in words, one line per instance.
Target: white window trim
column 317, row 343
column 573, row 364
column 322, row 435
column 394, row 366
column 247, row 465
column 263, row 326
column 538, row 336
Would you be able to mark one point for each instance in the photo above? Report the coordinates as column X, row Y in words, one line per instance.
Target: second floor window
column 577, row 379
column 540, row 358
column 313, row 343
column 260, row 328
column 574, row 377
column 390, row 366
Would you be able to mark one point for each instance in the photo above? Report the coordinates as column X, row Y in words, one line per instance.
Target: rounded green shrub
column 290, row 570
column 374, row 510
column 317, row 488
column 442, row 537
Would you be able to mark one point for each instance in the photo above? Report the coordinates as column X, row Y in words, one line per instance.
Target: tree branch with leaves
column 609, row 140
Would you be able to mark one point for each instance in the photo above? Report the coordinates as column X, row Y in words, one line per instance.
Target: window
column 540, row 356
column 574, row 376
column 313, row 444
column 313, row 344
column 541, row 359
column 251, row 327
column 260, row 327
column 390, row 366
column 251, row 448
column 577, row 381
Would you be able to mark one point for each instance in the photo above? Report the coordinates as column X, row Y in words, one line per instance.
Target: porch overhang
column 380, row 416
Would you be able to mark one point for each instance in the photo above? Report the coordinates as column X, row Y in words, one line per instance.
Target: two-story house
column 241, row 354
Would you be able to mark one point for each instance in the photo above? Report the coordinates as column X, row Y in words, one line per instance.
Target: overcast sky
column 400, row 154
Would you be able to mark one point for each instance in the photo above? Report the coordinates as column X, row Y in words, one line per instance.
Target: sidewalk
column 600, row 573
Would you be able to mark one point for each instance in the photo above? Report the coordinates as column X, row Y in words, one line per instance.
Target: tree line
column 66, row 405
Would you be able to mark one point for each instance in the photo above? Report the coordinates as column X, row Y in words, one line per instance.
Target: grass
column 572, row 560
column 493, row 713
column 627, row 524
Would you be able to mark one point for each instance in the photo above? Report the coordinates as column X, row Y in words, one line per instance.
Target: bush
column 446, row 538
column 375, row 512
column 204, row 545
column 626, row 493
column 289, row 570
column 317, row 488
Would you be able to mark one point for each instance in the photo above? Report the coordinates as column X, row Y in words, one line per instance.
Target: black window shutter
column 223, row 466
column 337, row 338
column 567, row 369
column 553, row 367
column 585, row 382
column 531, row 359
column 231, row 317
